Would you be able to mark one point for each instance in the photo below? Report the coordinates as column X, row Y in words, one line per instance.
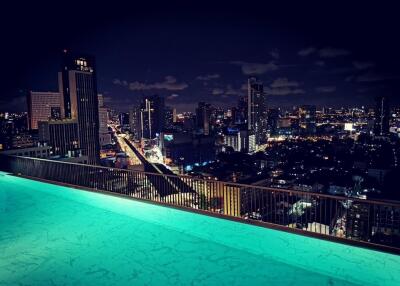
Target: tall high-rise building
column 134, row 121
column 382, row 113
column 104, row 135
column 43, row 106
column 78, row 83
column 308, row 119
column 240, row 116
column 272, row 122
column 123, row 118
column 152, row 116
column 169, row 117
column 203, row 117
column 257, row 110
column 100, row 99
column 174, row 115
column 103, row 116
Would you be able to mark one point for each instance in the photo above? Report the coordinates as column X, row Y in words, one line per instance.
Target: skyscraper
column 257, row 110
column 382, row 112
column 152, row 116
column 242, row 111
column 203, row 117
column 134, row 121
column 79, row 92
column 123, row 118
column 272, row 122
column 174, row 115
column 43, row 106
column 169, row 117
column 104, row 135
column 100, row 99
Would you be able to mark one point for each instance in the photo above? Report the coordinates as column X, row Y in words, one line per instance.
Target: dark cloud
column 255, row 68
column 228, row 91
column 172, row 96
column 284, row 82
column 327, row 52
column 169, row 83
column 17, row 103
column 342, row 70
column 362, row 89
column 274, row 54
column 363, row 65
column 217, row 91
column 307, row 51
column 283, row 91
column 233, row 91
column 325, row 89
column 373, row 77
column 208, row 77
column 117, row 81
column 332, row 52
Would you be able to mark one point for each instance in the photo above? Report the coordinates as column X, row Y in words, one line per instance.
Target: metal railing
column 373, row 223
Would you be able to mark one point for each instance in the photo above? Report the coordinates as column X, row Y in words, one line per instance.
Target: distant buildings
column 203, row 117
column 382, row 113
column 308, row 119
column 43, row 106
column 239, row 140
column 22, row 140
column 123, row 118
column 13, row 131
column 152, row 116
column 69, row 119
column 186, row 150
column 272, row 122
column 257, row 110
column 40, row 151
column 61, row 135
column 149, row 117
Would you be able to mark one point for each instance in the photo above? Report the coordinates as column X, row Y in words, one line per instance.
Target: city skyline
column 221, row 143
column 187, row 56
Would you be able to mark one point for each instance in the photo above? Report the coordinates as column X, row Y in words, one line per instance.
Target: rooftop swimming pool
column 54, row 235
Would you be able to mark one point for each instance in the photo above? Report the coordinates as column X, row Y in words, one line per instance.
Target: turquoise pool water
column 53, row 235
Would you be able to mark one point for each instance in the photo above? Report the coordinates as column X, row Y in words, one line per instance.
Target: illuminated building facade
column 62, row 135
column 152, row 116
column 257, row 110
column 382, row 112
column 79, row 87
column 203, row 117
column 43, row 106
column 104, row 135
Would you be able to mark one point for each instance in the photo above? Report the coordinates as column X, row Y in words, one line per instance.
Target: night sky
column 317, row 53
